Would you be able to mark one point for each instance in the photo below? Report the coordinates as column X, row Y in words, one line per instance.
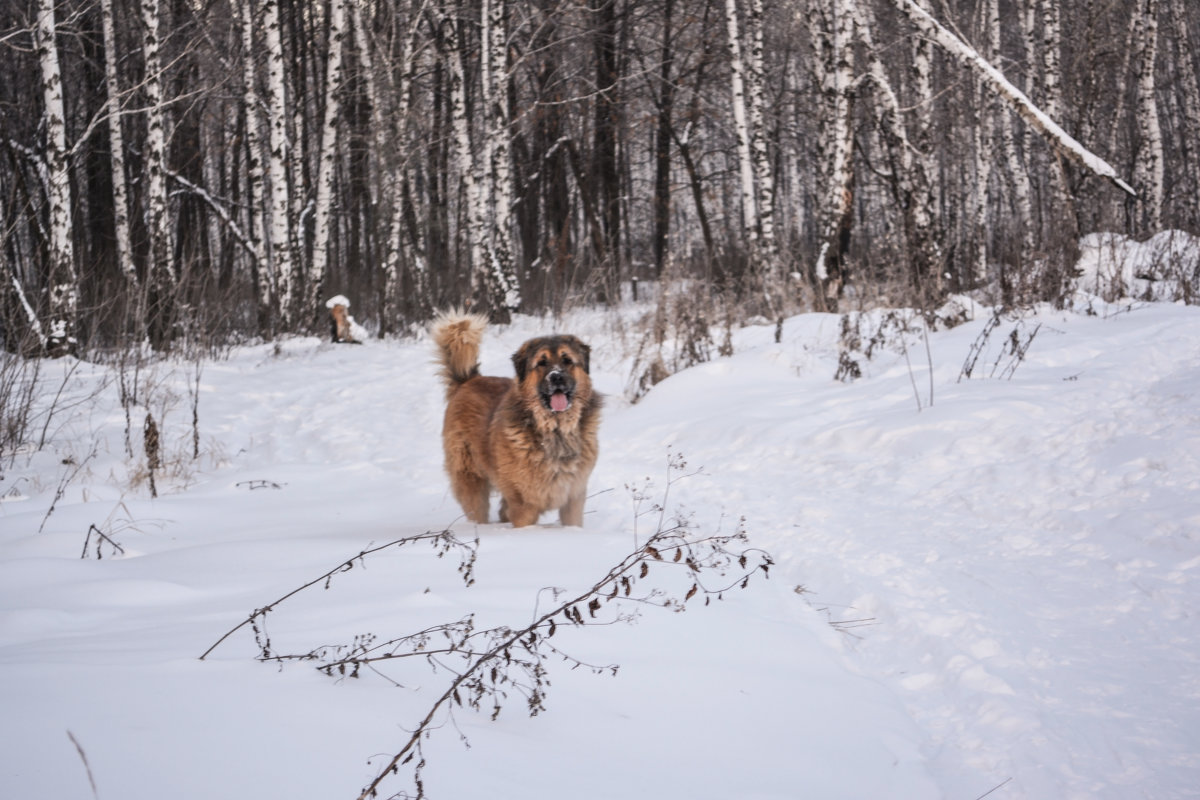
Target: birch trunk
column 1052, row 107
column 116, row 140
column 279, row 238
column 63, row 283
column 1149, row 177
column 327, row 162
column 983, row 134
column 924, row 251
column 1016, row 168
column 757, row 79
column 837, row 143
column 737, row 69
column 506, row 297
column 476, row 218
column 1189, row 100
column 254, row 169
column 161, row 290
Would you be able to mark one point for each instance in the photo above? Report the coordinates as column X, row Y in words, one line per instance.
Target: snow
column 995, row 591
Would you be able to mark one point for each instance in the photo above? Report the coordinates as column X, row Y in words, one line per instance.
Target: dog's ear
column 584, row 351
column 520, row 361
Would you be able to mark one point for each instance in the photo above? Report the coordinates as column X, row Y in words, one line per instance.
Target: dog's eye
column 543, row 361
column 566, row 360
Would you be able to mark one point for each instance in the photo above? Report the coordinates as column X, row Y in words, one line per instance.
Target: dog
column 533, row 437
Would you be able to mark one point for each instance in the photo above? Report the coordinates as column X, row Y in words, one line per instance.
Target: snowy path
column 1013, row 574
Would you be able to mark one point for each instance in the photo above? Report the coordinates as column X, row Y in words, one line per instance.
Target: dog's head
column 555, row 368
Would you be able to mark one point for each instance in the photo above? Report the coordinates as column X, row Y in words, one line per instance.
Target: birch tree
column 741, row 124
column 835, row 43
column 1016, row 170
column 254, row 167
column 116, row 140
column 63, row 283
column 1052, row 107
column 1148, row 176
column 278, row 153
column 327, row 161
column 506, row 293
column 1188, row 88
column 161, row 290
column 983, row 136
column 465, row 155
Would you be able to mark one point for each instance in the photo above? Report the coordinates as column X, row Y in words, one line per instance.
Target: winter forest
column 214, row 169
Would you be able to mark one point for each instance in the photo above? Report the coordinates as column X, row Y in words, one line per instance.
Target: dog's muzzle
column 559, row 388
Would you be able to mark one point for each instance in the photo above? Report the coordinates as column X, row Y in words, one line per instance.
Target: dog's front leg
column 571, row 514
column 518, row 513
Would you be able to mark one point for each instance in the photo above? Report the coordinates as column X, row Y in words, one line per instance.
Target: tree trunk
column 506, row 297
column 741, row 125
column 662, row 142
column 1149, row 176
column 1188, row 88
column 279, row 240
column 254, row 168
column 756, row 80
column 1016, row 167
column 63, row 283
column 605, row 172
column 836, row 148
column 116, row 141
column 327, row 161
column 1052, row 107
column 161, row 300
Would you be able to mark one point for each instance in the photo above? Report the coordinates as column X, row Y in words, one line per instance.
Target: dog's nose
column 556, row 377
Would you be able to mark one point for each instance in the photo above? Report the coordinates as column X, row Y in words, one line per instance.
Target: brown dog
column 533, row 437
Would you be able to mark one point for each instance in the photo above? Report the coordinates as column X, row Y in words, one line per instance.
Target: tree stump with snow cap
column 342, row 326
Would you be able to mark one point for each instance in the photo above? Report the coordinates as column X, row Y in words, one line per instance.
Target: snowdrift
column 981, row 584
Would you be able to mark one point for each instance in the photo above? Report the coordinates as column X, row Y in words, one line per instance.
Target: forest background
column 212, row 170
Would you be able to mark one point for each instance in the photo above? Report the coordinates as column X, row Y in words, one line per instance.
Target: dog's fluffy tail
column 457, row 335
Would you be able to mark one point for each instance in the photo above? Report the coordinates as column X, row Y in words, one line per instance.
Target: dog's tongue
column 559, row 402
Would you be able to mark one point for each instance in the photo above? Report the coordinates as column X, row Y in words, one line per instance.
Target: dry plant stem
column 68, row 476
column 102, row 537
column 86, row 765
column 616, row 584
column 446, row 538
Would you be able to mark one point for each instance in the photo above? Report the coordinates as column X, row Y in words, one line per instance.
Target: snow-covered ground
column 981, row 585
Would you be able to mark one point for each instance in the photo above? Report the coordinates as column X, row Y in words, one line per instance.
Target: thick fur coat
column 533, row 437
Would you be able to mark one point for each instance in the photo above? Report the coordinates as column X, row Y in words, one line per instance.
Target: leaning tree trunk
column 62, row 281
column 1014, row 97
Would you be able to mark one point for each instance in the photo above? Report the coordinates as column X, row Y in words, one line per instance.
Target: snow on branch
column 1047, row 127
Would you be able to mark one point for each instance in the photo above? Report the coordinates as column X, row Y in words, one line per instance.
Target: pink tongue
column 559, row 402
